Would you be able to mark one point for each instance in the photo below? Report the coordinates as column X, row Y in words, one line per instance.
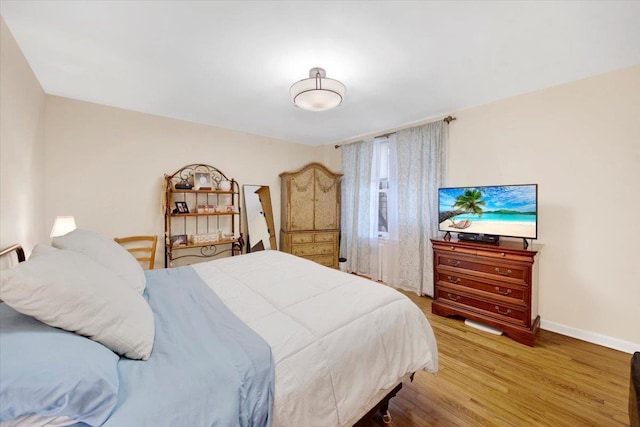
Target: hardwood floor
column 491, row 380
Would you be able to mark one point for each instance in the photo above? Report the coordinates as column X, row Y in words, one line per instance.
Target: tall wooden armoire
column 310, row 217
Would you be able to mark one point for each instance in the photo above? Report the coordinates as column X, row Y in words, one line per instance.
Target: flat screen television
column 499, row 210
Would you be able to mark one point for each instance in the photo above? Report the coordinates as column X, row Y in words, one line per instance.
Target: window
column 383, row 187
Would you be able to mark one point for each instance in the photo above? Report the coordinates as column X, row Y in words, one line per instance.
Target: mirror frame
column 263, row 193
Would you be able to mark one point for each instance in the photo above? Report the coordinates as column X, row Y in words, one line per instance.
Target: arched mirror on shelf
column 260, row 229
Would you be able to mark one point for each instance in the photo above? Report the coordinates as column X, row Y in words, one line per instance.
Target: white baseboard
column 592, row 337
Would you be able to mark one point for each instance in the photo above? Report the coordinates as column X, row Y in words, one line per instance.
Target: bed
column 293, row 343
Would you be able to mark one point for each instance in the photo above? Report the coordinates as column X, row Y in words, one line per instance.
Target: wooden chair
column 145, row 253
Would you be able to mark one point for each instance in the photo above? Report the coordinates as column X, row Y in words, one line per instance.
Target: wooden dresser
column 310, row 216
column 492, row 284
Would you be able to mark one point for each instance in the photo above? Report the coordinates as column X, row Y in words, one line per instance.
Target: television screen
column 502, row 210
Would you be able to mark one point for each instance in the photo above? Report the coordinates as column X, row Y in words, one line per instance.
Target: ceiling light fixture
column 317, row 93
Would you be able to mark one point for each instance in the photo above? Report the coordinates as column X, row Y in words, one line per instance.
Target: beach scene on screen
column 508, row 210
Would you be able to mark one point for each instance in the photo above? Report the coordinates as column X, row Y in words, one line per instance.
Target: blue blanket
column 207, row 367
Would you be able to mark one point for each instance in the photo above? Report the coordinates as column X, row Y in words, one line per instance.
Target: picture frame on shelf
column 202, row 181
column 179, row 240
column 182, row 207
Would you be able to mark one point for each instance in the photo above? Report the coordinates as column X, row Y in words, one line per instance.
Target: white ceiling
column 230, row 64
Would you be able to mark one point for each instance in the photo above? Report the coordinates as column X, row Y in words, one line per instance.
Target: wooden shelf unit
column 495, row 284
column 204, row 214
column 194, row 223
column 200, row 245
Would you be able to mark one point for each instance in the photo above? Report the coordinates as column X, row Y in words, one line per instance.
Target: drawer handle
column 453, row 297
column 454, row 263
column 503, row 312
column 454, row 281
column 503, row 273
column 507, row 292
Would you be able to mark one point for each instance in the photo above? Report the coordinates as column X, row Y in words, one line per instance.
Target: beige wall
column 105, row 165
column 22, row 110
column 331, row 157
column 580, row 142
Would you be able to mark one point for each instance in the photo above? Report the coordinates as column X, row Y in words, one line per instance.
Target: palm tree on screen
column 470, row 201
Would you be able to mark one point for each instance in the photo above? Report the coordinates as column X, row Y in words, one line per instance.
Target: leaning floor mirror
column 260, row 230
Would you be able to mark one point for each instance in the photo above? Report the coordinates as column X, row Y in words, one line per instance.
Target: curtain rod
column 447, row 120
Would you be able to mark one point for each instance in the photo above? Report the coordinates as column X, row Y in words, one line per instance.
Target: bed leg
column 379, row 411
column 384, row 405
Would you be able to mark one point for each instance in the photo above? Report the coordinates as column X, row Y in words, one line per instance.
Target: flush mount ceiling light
column 317, row 93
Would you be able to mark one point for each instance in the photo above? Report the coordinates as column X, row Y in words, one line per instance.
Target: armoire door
column 301, row 199
column 327, row 201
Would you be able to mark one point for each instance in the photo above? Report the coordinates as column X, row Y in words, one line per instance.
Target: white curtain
column 357, row 217
column 417, row 169
column 417, row 161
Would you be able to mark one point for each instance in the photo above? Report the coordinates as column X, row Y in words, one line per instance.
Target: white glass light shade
column 63, row 225
column 317, row 93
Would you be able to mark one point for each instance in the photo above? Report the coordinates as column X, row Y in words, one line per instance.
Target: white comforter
column 337, row 339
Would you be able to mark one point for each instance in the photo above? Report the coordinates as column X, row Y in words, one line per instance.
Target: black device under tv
column 476, row 237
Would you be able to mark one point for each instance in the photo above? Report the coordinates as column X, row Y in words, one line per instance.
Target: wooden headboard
column 14, row 248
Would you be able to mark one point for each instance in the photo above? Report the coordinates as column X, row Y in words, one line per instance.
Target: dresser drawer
column 312, row 249
column 323, row 237
column 454, row 249
column 312, row 237
column 487, row 308
column 302, row 238
column 512, row 273
column 514, row 294
column 504, row 255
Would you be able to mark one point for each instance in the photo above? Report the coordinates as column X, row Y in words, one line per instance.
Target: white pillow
column 68, row 290
column 105, row 252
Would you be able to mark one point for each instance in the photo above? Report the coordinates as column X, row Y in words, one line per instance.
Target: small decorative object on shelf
column 205, row 238
column 182, row 207
column 212, row 226
column 183, row 185
column 202, row 180
column 179, row 240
